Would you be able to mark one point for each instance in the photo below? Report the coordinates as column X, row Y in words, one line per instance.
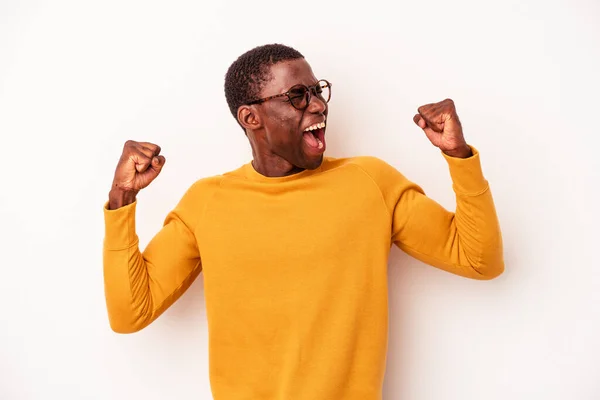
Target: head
column 276, row 125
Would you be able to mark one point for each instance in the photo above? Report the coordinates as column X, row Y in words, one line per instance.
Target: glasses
column 299, row 96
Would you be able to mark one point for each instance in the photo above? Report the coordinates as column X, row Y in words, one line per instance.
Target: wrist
column 462, row 152
column 119, row 198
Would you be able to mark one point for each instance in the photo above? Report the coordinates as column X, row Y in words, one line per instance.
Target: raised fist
column 442, row 127
column 139, row 165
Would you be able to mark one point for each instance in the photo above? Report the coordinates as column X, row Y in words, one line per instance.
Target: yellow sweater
column 295, row 269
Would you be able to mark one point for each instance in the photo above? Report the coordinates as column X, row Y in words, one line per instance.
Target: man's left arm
column 466, row 242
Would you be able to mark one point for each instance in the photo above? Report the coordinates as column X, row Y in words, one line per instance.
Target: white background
column 77, row 79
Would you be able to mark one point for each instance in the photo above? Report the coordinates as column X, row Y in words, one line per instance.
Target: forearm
column 128, row 297
column 465, row 242
column 127, row 293
column 479, row 238
column 140, row 286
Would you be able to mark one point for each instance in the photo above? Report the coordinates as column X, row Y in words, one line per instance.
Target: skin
column 139, row 165
column 442, row 127
column 275, row 128
column 275, row 132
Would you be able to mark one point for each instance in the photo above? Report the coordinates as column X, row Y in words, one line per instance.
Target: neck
column 272, row 165
column 267, row 163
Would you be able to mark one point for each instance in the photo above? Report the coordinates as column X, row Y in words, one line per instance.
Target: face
column 283, row 130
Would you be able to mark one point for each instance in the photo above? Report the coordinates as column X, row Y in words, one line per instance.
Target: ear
column 249, row 117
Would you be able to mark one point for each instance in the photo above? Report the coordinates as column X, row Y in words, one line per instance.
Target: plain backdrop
column 77, row 79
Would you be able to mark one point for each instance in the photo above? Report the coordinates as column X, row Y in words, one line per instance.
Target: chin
column 314, row 163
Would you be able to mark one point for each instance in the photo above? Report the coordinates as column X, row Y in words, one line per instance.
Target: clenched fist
column 442, row 127
column 138, row 166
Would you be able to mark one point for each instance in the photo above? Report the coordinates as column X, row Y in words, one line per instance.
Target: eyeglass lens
column 299, row 95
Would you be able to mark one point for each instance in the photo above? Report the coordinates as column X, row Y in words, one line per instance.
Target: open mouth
column 314, row 136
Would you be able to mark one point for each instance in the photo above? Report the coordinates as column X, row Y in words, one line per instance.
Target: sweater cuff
column 119, row 227
column 466, row 173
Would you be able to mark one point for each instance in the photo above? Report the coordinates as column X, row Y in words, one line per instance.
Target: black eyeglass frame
column 308, row 90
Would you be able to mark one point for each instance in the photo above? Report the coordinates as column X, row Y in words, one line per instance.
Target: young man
column 294, row 245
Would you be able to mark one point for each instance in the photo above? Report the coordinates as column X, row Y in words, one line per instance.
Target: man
column 294, row 245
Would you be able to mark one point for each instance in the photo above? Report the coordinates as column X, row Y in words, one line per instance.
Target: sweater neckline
column 254, row 175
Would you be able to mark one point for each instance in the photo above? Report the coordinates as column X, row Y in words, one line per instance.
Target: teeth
column 316, row 126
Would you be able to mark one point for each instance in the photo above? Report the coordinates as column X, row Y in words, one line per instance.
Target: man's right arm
column 139, row 286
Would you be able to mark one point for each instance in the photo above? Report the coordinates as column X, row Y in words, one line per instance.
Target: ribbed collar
column 248, row 171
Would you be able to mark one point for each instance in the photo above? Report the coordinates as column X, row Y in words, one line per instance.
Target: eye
column 296, row 93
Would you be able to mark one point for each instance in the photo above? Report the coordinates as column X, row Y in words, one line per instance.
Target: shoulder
column 200, row 191
column 207, row 183
column 203, row 186
column 375, row 168
column 194, row 200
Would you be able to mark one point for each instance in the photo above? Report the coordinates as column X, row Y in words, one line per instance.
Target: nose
column 316, row 104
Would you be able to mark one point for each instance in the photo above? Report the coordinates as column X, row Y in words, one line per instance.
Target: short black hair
column 248, row 74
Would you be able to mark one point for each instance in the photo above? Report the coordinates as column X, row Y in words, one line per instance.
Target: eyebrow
column 301, row 84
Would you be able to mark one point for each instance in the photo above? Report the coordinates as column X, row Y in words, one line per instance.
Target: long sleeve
column 466, row 242
column 139, row 286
